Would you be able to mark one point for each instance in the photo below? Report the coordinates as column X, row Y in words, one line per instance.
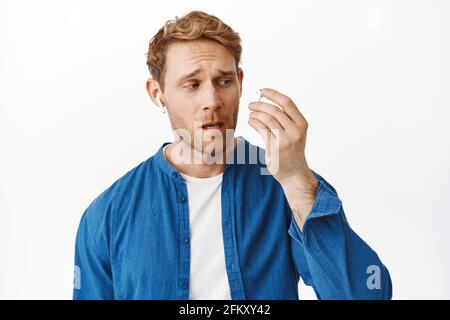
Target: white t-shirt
column 208, row 275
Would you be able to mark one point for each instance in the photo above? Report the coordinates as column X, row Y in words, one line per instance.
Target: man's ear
column 240, row 78
column 152, row 86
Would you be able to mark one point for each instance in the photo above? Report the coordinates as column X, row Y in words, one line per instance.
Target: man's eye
column 192, row 85
column 225, row 82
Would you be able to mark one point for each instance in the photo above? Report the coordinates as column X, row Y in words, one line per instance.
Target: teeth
column 211, row 126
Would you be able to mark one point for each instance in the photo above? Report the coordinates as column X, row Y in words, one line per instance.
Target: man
column 201, row 219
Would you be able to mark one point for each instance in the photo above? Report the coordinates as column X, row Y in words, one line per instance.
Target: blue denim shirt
column 133, row 239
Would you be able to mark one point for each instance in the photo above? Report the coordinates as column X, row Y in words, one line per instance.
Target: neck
column 198, row 169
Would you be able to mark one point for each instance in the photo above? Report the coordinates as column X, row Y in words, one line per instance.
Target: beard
column 204, row 146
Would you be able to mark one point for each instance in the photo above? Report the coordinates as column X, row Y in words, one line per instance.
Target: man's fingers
column 263, row 131
column 284, row 120
column 285, row 103
column 266, row 119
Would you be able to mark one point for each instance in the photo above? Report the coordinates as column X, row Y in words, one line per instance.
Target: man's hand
column 284, row 134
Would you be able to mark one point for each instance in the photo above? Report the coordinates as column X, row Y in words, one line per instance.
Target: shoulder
column 102, row 209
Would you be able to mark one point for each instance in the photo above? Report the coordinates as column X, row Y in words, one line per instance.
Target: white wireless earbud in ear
column 158, row 100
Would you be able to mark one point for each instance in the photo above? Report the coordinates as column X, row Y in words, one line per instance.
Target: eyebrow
column 196, row 71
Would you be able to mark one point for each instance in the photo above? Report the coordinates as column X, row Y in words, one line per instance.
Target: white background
column 371, row 77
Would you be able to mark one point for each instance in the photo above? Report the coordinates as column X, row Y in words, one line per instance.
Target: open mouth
column 212, row 125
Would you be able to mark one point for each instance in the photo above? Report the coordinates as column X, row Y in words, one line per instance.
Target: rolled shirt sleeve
column 331, row 257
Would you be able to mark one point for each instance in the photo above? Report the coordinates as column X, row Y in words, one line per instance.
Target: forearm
column 301, row 194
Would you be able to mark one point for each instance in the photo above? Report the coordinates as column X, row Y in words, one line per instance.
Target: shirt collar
column 167, row 168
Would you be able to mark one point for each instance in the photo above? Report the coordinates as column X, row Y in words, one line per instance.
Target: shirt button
column 184, row 285
column 174, row 174
column 186, row 240
column 183, row 199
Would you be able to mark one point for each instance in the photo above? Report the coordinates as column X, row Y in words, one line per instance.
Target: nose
column 211, row 99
